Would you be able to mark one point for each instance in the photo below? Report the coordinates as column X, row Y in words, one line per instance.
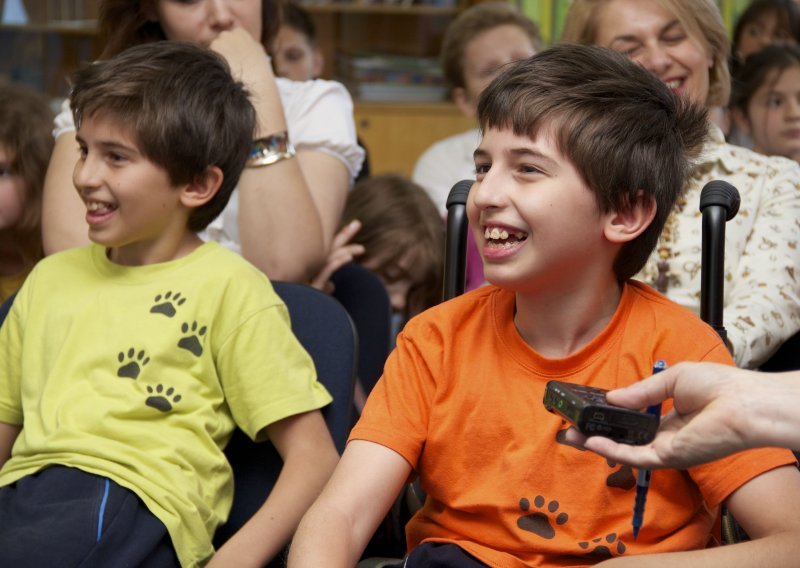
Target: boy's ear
column 624, row 226
column 740, row 120
column 463, row 102
column 202, row 189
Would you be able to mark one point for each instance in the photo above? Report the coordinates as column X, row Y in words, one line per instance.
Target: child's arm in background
column 766, row 508
column 337, row 528
column 309, row 457
column 8, row 435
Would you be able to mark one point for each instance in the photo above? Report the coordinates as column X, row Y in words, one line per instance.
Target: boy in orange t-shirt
column 583, row 156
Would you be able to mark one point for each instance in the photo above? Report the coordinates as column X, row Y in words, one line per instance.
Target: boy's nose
column 84, row 176
column 220, row 15
column 488, row 192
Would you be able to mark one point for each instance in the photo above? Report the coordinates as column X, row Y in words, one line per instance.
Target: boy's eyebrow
column 521, row 153
column 109, row 145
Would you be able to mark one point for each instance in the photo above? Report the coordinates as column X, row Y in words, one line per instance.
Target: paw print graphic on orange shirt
column 541, row 523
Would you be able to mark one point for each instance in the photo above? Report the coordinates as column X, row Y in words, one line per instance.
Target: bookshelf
column 396, row 124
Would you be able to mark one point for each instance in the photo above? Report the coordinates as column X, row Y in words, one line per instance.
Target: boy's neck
column 144, row 253
column 559, row 323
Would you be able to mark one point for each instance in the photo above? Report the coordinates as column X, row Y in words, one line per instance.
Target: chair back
column 5, row 307
column 326, row 331
column 364, row 296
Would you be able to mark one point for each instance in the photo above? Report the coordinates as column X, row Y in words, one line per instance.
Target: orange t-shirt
column 461, row 401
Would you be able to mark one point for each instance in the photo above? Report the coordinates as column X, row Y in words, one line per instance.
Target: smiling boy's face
column 536, row 223
column 132, row 207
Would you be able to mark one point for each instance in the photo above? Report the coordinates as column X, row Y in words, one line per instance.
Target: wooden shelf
column 64, row 27
column 391, row 9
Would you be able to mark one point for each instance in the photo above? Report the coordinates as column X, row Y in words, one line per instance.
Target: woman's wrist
column 270, row 150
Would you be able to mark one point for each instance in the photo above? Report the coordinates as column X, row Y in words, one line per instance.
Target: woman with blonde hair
column 684, row 43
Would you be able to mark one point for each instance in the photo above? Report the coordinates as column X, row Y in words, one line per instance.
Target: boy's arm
column 338, row 526
column 766, row 507
column 309, row 456
column 8, row 435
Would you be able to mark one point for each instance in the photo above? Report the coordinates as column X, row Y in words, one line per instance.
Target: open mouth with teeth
column 500, row 237
column 98, row 211
column 674, row 84
column 99, row 206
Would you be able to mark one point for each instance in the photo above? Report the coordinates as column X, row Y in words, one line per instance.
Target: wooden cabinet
column 395, row 134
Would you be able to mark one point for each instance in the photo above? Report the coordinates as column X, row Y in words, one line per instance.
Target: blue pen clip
column 643, row 475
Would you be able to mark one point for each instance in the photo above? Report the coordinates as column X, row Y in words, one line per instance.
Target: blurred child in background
column 765, row 101
column 391, row 226
column 295, row 53
column 25, row 145
column 763, row 23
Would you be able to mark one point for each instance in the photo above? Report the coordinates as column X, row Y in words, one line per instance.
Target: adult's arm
column 63, row 212
column 288, row 211
column 337, row 528
column 309, row 457
column 718, row 410
column 762, row 300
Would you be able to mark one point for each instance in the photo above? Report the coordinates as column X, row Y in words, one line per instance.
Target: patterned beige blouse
column 761, row 305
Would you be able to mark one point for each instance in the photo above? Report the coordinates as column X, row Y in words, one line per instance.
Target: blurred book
column 383, row 77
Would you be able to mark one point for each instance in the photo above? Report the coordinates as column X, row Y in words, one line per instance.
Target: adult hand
column 342, row 252
column 710, row 418
column 246, row 57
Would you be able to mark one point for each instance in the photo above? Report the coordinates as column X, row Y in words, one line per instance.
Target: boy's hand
column 341, row 253
column 706, row 423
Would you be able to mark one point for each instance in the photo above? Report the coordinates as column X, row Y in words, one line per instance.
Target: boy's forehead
column 109, row 127
column 504, row 139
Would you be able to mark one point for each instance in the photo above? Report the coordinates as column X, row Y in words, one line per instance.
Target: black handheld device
column 587, row 409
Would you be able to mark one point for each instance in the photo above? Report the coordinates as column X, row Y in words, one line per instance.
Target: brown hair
column 622, row 129
column 183, row 107
column 474, row 21
column 760, row 67
column 701, row 20
column 399, row 220
column 125, row 23
column 26, row 124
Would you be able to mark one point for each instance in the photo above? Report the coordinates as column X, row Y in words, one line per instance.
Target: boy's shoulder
column 653, row 310
column 453, row 314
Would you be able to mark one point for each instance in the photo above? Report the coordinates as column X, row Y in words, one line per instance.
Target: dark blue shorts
column 63, row 516
column 440, row 555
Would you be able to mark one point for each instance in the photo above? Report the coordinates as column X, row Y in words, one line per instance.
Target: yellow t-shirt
column 141, row 374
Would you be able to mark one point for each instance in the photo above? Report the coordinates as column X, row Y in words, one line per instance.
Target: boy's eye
column 82, row 152
column 529, row 169
column 5, row 171
column 481, row 169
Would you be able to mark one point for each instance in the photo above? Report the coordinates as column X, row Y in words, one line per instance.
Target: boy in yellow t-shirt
column 582, row 157
column 126, row 365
